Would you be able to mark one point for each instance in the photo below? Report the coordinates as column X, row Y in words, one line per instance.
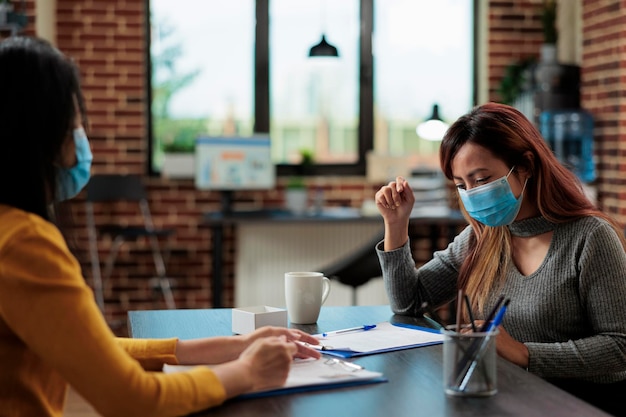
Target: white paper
column 310, row 372
column 384, row 336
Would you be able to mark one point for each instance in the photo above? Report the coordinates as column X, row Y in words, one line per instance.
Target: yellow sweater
column 52, row 334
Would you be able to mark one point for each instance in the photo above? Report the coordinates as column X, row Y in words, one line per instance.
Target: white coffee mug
column 305, row 292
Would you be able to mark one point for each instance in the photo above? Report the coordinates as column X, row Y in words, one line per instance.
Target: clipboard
column 310, row 375
column 385, row 337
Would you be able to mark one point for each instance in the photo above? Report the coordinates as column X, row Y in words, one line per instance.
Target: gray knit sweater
column 570, row 312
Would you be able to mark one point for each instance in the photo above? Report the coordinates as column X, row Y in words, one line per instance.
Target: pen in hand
column 431, row 316
column 432, row 322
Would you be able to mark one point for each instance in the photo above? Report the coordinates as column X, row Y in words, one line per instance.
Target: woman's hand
column 509, row 348
column 220, row 349
column 395, row 200
column 262, row 365
column 291, row 335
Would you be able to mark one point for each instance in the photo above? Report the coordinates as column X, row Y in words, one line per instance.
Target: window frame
column 262, row 88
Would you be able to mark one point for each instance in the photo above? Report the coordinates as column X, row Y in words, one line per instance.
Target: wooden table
column 415, row 386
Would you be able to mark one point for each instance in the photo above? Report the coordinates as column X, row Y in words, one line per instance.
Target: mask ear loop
column 507, row 175
column 524, row 187
column 525, row 182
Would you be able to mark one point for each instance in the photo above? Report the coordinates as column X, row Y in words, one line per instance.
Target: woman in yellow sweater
column 51, row 331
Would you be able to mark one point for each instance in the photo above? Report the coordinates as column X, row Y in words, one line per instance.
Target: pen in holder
column 469, row 362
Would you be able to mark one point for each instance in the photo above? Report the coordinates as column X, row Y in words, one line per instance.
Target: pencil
column 471, row 352
column 459, row 309
column 469, row 312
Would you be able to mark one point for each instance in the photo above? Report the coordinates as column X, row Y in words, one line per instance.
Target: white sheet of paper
column 384, row 336
column 310, row 372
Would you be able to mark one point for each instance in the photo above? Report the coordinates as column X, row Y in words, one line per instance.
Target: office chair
column 357, row 268
column 111, row 188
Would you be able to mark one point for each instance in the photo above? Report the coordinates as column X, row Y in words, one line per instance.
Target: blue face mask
column 72, row 180
column 492, row 204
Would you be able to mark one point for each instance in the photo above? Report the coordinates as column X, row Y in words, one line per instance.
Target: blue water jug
column 569, row 134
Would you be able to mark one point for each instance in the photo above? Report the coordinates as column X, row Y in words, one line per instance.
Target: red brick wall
column 514, row 34
column 603, row 93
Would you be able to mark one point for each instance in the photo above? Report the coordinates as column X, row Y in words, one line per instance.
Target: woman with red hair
column 534, row 237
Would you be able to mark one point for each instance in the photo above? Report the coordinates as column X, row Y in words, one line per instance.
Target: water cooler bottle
column 569, row 134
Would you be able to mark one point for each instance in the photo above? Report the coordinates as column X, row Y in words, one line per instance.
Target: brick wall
column 603, row 93
column 514, row 34
column 107, row 41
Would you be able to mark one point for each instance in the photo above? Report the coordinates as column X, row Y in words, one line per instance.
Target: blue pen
column 494, row 324
column 498, row 320
column 352, row 329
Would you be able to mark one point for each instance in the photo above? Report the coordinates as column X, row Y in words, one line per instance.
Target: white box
column 248, row 319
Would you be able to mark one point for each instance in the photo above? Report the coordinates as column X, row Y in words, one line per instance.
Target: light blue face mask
column 492, row 204
column 72, row 180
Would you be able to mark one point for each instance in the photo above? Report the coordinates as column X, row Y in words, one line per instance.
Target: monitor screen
column 234, row 163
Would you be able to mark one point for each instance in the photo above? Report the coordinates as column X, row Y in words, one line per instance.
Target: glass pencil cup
column 469, row 362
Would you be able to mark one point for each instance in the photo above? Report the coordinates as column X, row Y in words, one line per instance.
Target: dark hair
column 38, row 85
column 554, row 190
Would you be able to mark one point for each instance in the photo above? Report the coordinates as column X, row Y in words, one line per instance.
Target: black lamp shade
column 434, row 128
column 435, row 115
column 323, row 49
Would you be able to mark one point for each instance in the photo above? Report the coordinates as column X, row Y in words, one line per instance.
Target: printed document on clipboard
column 385, row 337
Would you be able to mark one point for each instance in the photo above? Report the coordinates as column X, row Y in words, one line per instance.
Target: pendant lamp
column 434, row 128
column 323, row 49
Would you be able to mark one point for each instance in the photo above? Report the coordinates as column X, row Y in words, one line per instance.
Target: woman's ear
column 527, row 165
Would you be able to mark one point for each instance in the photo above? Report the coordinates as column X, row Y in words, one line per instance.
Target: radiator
column 266, row 251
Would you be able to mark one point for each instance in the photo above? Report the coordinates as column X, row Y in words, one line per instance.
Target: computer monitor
column 234, row 163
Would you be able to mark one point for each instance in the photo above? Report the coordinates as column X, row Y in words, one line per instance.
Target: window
column 221, row 69
column 202, row 72
column 423, row 55
column 314, row 101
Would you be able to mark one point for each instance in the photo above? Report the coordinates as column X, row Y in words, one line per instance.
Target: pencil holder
column 469, row 362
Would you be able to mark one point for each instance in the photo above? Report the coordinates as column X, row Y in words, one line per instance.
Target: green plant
column 306, row 161
column 548, row 21
column 178, row 135
column 178, row 147
column 515, row 78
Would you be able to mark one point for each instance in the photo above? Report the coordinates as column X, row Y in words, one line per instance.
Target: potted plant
column 517, row 79
column 178, row 159
column 296, row 191
column 10, row 19
column 5, row 8
column 550, row 33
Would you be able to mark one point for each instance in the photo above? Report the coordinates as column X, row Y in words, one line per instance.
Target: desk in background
column 434, row 218
column 415, row 386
